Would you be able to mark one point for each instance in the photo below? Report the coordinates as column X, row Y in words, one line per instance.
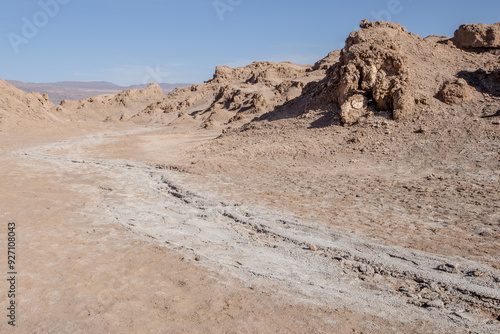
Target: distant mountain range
column 77, row 90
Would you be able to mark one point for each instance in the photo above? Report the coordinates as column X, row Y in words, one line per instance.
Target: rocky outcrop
column 236, row 95
column 373, row 69
column 478, row 36
column 353, row 108
column 454, row 91
column 385, row 70
column 486, row 82
column 258, row 72
column 327, row 62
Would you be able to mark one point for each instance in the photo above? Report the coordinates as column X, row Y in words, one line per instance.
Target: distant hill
column 77, row 90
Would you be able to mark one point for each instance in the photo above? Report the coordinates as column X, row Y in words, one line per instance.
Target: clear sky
column 132, row 42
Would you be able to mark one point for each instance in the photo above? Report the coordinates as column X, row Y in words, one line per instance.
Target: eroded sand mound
column 17, row 106
column 111, row 107
column 234, row 95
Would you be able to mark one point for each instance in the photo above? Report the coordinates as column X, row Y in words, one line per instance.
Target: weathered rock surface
column 385, row 70
column 454, row 91
column 479, row 35
column 236, row 95
column 379, row 71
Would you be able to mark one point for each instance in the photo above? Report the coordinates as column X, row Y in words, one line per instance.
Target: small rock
column 353, row 108
column 421, row 130
column 434, row 286
column 448, row 267
column 366, row 269
column 313, row 247
column 197, row 258
column 486, row 232
column 426, row 292
column 354, row 140
column 454, row 91
column 476, row 273
column 437, row 303
column 403, row 289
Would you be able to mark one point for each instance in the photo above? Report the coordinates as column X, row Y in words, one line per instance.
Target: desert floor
column 129, row 229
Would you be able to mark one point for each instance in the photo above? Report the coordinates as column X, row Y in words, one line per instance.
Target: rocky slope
column 17, row 107
column 235, row 96
column 386, row 71
column 111, row 107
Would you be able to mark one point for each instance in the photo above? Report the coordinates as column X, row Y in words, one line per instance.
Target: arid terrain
column 356, row 195
column 74, row 90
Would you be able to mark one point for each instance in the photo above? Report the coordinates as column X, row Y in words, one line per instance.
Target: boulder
column 372, row 66
column 478, row 36
column 454, row 91
column 353, row 108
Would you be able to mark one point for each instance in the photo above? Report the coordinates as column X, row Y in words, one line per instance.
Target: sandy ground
column 116, row 235
column 82, row 272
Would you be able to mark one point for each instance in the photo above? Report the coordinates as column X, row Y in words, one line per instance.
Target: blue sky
column 132, row 42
